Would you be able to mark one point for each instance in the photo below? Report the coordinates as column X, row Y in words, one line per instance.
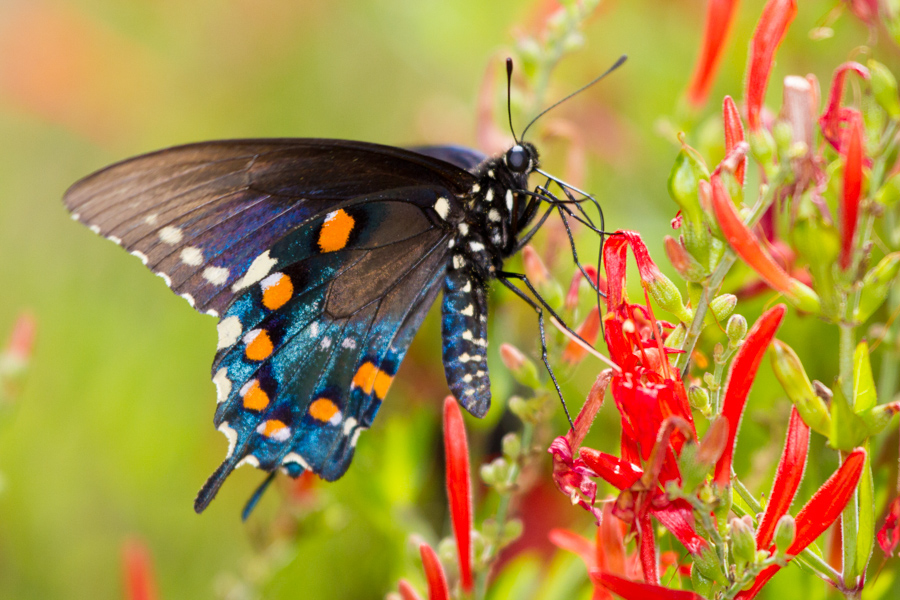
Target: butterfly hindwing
column 307, row 351
column 199, row 215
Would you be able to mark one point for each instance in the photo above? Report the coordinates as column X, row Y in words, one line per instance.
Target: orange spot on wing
column 336, row 231
column 382, row 383
column 272, row 427
column 277, row 293
column 365, row 377
column 260, row 347
column 255, row 398
column 323, row 409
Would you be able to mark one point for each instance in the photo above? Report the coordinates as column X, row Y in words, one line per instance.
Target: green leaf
column 864, row 396
column 848, row 430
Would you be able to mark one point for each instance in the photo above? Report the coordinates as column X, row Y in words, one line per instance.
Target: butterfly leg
column 505, row 278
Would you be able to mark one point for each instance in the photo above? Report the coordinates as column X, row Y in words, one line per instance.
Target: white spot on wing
column 348, row 343
column 271, row 280
column 223, row 385
column 349, row 424
column 192, row 256
column 458, row 261
column 489, row 195
column 251, row 335
column 216, row 275
column 258, row 269
column 165, row 278
column 231, row 435
column 94, row 228
column 314, row 329
column 442, row 208
column 151, row 219
column 279, row 435
column 189, row 298
column 468, row 311
column 170, row 235
column 115, row 240
column 140, row 255
column 213, row 313
column 76, row 216
column 326, row 343
column 494, row 215
column 355, row 437
column 293, row 457
column 248, row 460
column 229, row 331
column 468, row 287
column 476, row 246
column 464, row 229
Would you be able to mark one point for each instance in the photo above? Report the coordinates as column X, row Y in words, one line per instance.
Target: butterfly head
column 521, row 159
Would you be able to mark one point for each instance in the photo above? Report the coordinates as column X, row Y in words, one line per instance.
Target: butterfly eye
column 517, row 159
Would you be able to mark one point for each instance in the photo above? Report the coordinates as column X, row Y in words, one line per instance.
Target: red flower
column 634, row 590
column 836, row 117
column 459, row 493
column 818, row 514
column 434, row 573
column 719, row 18
column 889, row 534
column 734, row 135
column 853, row 164
column 770, row 30
column 740, row 377
column 140, row 584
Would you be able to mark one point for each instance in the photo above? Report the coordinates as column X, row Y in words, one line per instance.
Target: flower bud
column 669, row 298
column 686, row 265
column 790, row 373
column 762, row 146
column 709, row 566
column 889, row 192
column 698, row 397
column 785, row 532
column 743, row 544
column 686, row 174
column 512, row 530
column 523, row 369
column 736, row 330
column 875, row 286
column 722, row 306
column 512, row 446
column 884, row 88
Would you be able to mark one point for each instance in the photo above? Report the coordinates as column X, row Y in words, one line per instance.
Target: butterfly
column 320, row 258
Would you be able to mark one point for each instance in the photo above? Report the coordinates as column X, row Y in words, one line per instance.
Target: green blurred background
column 112, row 435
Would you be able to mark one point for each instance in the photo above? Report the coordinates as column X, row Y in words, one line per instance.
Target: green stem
column 502, row 513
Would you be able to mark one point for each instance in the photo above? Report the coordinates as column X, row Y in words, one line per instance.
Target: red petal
column 889, row 534
column 140, row 583
column 459, row 493
column 719, row 17
column 819, row 513
column 852, row 188
column 635, row 590
column 611, row 542
column 678, row 518
column 787, row 478
column 647, row 549
column 770, row 30
column 744, row 243
column 740, row 378
column 407, row 591
column 734, row 134
column 588, row 331
column 589, row 410
column 434, row 573
column 835, row 116
column 619, row 473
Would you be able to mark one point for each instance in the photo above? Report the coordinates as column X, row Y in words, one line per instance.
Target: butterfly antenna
column 615, row 66
column 509, row 70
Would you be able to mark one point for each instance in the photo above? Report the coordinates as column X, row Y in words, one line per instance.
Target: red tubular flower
column 614, row 470
column 836, row 116
column 740, row 378
column 647, row 549
column 459, row 493
column 719, row 18
column 818, row 514
column 865, row 10
column 634, row 590
column 852, row 188
column 734, row 134
column 434, row 573
column 889, row 534
column 750, row 249
column 787, row 478
column 770, row 30
column 588, row 331
column 407, row 591
column 140, row 583
column 21, row 339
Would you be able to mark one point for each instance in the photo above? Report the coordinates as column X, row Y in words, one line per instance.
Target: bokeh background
column 111, row 436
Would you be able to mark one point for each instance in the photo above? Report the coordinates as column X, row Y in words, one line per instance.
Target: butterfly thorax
column 496, row 212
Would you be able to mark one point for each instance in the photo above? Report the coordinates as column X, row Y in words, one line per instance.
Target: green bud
column 523, row 368
column 819, row 244
column 783, row 134
column 698, row 397
column 700, row 584
column 512, row 531
column 710, row 380
column 512, row 446
column 848, row 430
column 722, row 306
column 707, row 563
column 719, row 354
column 785, row 532
column 693, row 472
column 519, row 407
column 446, row 551
column 884, row 88
column 875, row 286
column 743, row 543
column 669, row 298
column 889, row 193
column 879, row 417
column 684, row 180
column 736, row 330
column 790, row 373
column 762, row 146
